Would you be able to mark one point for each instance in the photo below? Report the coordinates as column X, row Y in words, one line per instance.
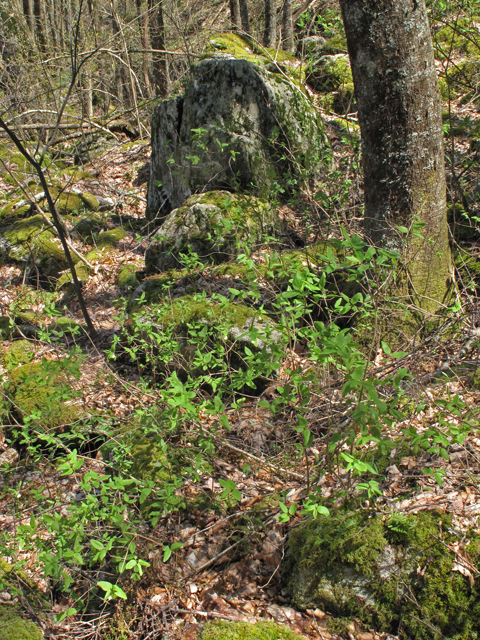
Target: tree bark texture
column 235, row 18
column 287, row 35
column 160, row 61
column 270, row 33
column 244, row 15
column 400, row 117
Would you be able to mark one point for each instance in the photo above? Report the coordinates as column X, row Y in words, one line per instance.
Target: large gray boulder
column 242, row 125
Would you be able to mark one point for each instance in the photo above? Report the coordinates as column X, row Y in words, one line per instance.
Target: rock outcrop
column 246, row 123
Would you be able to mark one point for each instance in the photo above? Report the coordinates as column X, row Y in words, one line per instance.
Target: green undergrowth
column 358, row 565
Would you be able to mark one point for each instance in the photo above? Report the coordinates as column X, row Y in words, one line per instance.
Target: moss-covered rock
column 332, row 73
column 242, row 47
column 150, row 460
column 14, row 211
column 360, row 565
column 89, row 225
column 223, row 630
column 239, row 139
column 111, row 237
column 14, row 627
column 6, row 328
column 33, row 240
column 20, row 352
column 77, row 174
column 67, row 327
column 39, row 389
column 212, row 226
column 90, row 200
column 194, row 334
column 336, row 44
column 127, row 276
column 82, row 271
column 262, row 276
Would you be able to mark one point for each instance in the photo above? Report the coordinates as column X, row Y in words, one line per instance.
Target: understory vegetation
column 263, row 438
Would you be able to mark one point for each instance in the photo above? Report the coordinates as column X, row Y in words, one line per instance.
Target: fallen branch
column 271, row 466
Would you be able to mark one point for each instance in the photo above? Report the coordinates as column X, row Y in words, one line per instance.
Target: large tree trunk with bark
column 287, row 35
column 400, row 117
column 270, row 33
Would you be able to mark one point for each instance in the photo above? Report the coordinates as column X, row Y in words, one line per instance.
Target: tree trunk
column 400, row 117
column 39, row 24
column 28, row 13
column 142, row 11
column 287, row 35
column 270, row 34
column 235, row 18
column 244, row 16
column 124, row 90
column 160, row 61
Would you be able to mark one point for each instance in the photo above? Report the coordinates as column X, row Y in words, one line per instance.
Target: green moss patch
column 127, row 276
column 39, row 390
column 460, row 36
column 14, row 627
column 110, row 238
column 242, row 47
column 20, row 352
column 359, row 565
column 223, row 630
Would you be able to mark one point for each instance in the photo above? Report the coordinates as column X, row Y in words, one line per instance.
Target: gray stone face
column 240, row 127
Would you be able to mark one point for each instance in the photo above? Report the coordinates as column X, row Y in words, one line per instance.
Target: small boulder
column 210, row 225
column 39, row 389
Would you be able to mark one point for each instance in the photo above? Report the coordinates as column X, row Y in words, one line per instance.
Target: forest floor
column 230, row 563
